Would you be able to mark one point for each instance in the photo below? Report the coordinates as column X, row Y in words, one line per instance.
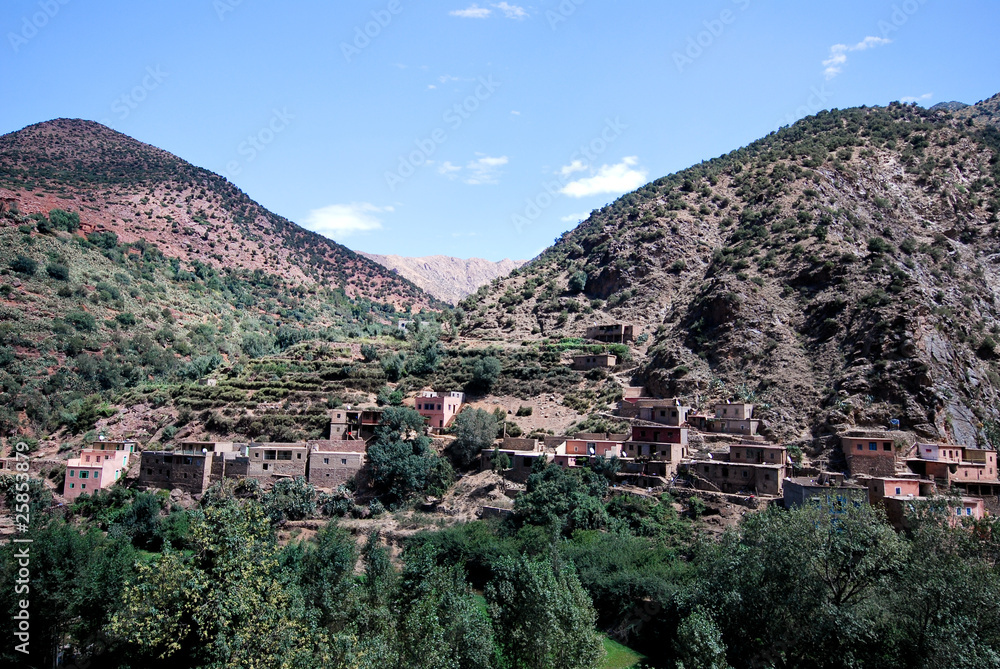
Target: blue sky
column 473, row 129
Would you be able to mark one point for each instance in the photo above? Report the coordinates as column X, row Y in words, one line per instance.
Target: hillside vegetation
column 843, row 270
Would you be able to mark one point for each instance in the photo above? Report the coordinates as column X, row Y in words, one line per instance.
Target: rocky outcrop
column 446, row 278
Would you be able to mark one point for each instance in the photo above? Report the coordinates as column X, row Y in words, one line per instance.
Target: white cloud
column 834, row 64
column 573, row 167
column 619, row 178
column 343, row 220
column 473, row 12
column 575, row 218
column 515, row 112
column 483, row 170
column 917, row 98
column 512, row 11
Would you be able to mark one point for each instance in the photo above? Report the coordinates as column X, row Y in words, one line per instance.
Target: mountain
column 140, row 192
column 446, row 278
column 842, row 271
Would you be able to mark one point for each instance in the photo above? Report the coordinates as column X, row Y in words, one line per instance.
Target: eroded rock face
column 446, row 278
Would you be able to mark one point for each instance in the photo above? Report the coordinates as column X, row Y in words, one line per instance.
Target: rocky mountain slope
column 446, row 278
column 845, row 270
column 140, row 192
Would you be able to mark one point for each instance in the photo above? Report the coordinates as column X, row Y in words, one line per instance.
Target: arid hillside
column 140, row 192
column 446, row 278
column 845, row 270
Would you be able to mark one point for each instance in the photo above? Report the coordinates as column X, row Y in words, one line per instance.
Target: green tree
column 699, row 643
column 577, row 282
column 485, row 372
column 290, row 499
column 474, row 430
column 65, row 220
column 22, row 264
column 545, row 618
column 400, row 458
column 57, row 271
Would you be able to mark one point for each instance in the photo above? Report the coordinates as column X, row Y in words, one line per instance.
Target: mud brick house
column 577, row 452
column 439, row 409
column 728, row 418
column 345, row 423
column 594, row 361
column 965, row 508
column 756, row 477
column 881, row 487
column 654, row 449
column 270, row 462
column 614, row 333
column 522, row 454
column 334, row 462
column 869, row 452
column 665, row 412
column 956, row 465
column 828, row 489
column 193, row 466
column 99, row 466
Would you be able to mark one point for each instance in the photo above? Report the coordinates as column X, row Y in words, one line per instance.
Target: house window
column 343, row 461
column 298, row 456
column 97, row 474
column 72, row 472
column 745, row 474
column 872, row 446
column 265, row 466
column 72, row 485
column 149, row 472
column 88, row 458
column 83, row 486
column 84, row 475
column 270, row 455
column 284, row 455
column 98, row 459
column 887, row 446
column 958, row 511
column 737, row 454
column 859, row 447
column 968, row 510
column 899, row 491
column 326, row 461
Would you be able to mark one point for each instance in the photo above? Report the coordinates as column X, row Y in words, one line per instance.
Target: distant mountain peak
column 446, row 278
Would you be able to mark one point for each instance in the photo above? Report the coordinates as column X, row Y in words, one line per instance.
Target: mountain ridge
column 447, row 278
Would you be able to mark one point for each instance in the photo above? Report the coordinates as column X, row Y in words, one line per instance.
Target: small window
column 968, row 510
column 872, row 446
column 83, row 486
column 149, row 472
column 72, row 472
column 899, row 491
column 887, row 446
column 343, row 461
column 326, row 461
column 745, row 474
column 859, row 447
column 84, row 475
column 958, row 511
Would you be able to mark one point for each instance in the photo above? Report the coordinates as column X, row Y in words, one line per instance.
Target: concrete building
column 99, row 466
column 439, row 409
column 614, row 333
column 897, row 509
column 956, row 465
column 594, row 361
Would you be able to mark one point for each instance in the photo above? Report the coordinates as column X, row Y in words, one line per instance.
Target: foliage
column 485, row 372
column 401, row 461
column 290, row 499
column 474, row 430
column 23, row 264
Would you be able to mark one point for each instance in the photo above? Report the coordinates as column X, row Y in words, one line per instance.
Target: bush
column 57, row 271
column 104, row 240
column 65, row 220
column 81, row 320
column 23, row 265
column 577, row 282
column 485, row 372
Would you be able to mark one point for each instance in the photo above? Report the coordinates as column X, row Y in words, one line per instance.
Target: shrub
column 81, row 320
column 577, row 282
column 57, row 271
column 22, row 264
column 65, row 220
column 485, row 372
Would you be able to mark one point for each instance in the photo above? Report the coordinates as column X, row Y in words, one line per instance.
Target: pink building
column 439, row 409
column 576, row 452
column 98, row 466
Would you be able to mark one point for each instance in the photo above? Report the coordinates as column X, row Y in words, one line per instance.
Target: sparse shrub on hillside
column 81, row 320
column 577, row 282
column 22, row 264
column 65, row 220
column 57, row 271
column 485, row 372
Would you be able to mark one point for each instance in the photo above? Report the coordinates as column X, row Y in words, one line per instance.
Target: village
column 716, row 451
